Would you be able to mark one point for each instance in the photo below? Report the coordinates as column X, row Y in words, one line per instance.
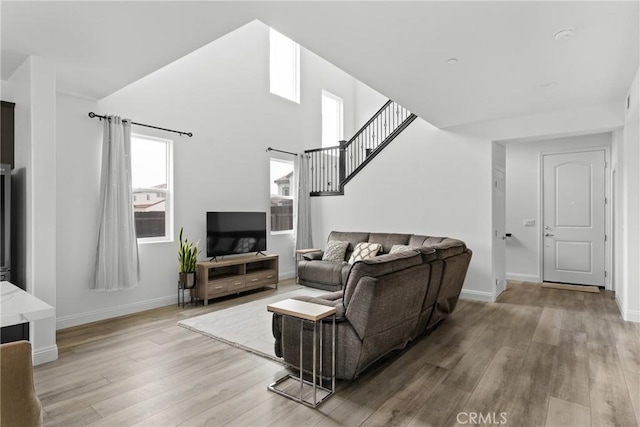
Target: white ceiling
column 506, row 50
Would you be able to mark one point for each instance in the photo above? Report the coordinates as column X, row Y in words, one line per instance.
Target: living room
column 431, row 180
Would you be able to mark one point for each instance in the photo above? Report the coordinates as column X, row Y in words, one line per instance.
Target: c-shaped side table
column 306, row 311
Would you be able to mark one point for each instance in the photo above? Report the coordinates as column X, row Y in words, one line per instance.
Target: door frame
column 607, row 209
column 494, row 254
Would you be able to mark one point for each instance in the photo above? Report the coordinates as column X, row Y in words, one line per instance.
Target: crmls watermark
column 482, row 418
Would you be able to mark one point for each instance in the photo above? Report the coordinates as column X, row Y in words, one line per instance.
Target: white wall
column 368, row 102
column 5, row 91
column 427, row 181
column 550, row 124
column 628, row 208
column 220, row 93
column 523, row 199
column 33, row 88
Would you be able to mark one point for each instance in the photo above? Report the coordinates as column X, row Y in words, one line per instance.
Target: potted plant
column 187, row 257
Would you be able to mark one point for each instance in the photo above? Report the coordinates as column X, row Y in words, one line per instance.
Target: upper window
column 284, row 66
column 331, row 119
column 151, row 167
column 281, row 198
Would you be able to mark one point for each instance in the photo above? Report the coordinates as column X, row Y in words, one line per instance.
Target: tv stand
column 234, row 275
column 260, row 253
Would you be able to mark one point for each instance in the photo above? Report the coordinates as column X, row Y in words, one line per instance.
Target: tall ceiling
column 508, row 62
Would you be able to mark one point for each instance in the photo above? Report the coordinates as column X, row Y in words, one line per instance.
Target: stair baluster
column 332, row 167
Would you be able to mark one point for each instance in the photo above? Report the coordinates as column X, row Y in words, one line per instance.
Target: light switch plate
column 529, row 222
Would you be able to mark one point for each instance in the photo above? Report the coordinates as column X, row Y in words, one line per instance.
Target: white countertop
column 18, row 306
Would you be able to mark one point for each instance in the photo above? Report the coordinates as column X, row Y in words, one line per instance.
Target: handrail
column 379, row 148
column 313, row 150
column 366, row 125
column 330, row 168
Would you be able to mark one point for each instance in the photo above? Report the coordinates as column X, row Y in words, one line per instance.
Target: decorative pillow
column 400, row 248
column 335, row 251
column 364, row 250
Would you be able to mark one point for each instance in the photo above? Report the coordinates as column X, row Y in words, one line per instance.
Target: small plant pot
column 187, row 280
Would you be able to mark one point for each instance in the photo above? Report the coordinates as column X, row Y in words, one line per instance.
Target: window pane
column 149, row 172
column 148, row 163
column 284, row 66
column 331, row 119
column 281, row 198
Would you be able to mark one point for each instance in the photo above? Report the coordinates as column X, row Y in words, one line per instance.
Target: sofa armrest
column 336, row 303
column 313, row 256
column 332, row 296
column 276, row 319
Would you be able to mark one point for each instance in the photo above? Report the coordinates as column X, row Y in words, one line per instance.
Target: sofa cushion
column 379, row 266
column 324, row 272
column 364, row 250
column 387, row 240
column 445, row 247
column 336, row 250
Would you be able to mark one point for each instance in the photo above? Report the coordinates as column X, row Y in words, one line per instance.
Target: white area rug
column 246, row 326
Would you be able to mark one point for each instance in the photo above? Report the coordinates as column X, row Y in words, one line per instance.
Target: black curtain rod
column 189, row 134
column 281, row 151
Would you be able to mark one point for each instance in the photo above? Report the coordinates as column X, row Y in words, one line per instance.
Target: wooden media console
column 235, row 275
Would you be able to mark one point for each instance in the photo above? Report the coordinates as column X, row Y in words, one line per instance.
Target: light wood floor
column 538, row 357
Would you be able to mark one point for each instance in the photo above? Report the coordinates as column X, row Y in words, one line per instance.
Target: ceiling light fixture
column 564, row 34
column 452, row 61
column 548, row 85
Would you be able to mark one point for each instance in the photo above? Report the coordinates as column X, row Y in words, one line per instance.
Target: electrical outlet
column 529, row 222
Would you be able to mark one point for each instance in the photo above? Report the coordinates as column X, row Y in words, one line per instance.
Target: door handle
column 548, row 235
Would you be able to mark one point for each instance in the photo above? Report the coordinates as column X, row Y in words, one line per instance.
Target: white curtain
column 302, row 209
column 117, row 265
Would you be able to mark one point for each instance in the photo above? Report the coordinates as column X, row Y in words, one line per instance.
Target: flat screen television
column 231, row 233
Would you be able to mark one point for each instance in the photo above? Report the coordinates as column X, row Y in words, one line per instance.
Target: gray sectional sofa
column 382, row 303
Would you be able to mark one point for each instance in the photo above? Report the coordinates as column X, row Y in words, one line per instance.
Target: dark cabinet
column 7, row 144
column 14, row 333
column 7, row 130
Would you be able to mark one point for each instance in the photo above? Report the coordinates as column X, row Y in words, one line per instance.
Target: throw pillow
column 364, row 250
column 400, row 248
column 335, row 251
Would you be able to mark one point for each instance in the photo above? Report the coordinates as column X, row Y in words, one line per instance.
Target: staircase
column 331, row 168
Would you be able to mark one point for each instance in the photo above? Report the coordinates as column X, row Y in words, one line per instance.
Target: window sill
column 151, row 240
column 278, row 233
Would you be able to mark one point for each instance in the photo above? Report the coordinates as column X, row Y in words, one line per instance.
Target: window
column 151, row 173
column 284, row 66
column 281, row 199
column 331, row 119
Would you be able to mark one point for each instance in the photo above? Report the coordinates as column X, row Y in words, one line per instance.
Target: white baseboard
column 107, row 313
column 619, row 304
column 123, row 310
column 532, row 278
column 477, row 295
column 632, row 316
column 44, row 355
column 628, row 315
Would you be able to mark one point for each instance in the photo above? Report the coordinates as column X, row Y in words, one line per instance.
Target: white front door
column 499, row 237
column 574, row 218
